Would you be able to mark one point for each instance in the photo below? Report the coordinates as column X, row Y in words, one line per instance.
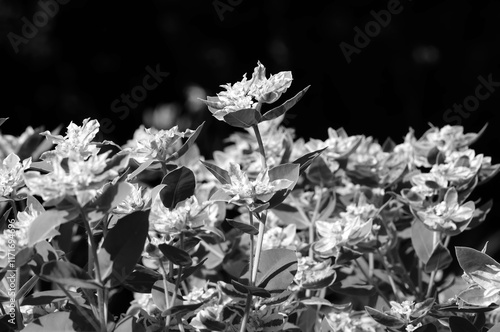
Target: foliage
column 274, row 234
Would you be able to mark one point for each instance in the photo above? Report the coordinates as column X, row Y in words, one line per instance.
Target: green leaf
column 180, row 185
column 495, row 328
column 474, row 263
column 244, row 118
column 122, row 247
column 283, row 108
column 2, row 120
column 175, row 255
column 220, row 174
column 67, row 321
column 307, row 159
column 212, row 324
column 67, row 274
column 459, row 324
column 422, row 240
column 439, row 260
column 187, row 145
column 43, row 253
column 480, row 214
column 158, row 294
column 245, row 228
column 384, row 319
column 192, row 269
column 44, row 226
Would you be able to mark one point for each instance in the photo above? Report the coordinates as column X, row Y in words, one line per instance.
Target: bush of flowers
column 275, row 233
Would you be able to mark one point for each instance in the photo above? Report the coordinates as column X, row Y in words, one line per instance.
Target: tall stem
column 261, row 147
column 436, row 240
column 249, row 299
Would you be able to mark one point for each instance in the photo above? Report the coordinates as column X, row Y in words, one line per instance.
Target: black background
column 426, row 59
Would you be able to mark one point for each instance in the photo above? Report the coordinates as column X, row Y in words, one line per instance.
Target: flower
column 244, row 191
column 153, row 144
column 77, row 142
column 346, row 231
column 352, row 321
column 187, row 214
column 247, row 94
column 314, row 275
column 11, row 174
column 137, row 200
column 75, row 177
column 448, row 213
column 278, row 237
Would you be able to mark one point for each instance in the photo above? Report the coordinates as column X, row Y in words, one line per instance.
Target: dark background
column 426, row 59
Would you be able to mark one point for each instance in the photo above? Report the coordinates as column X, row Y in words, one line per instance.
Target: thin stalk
column 165, row 288
column 436, row 239
column 79, row 308
column 315, row 216
column 261, row 147
column 177, row 283
column 251, row 281
column 260, row 238
column 370, row 281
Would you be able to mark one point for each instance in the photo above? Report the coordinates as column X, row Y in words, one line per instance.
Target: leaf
column 245, row 289
column 47, row 297
column 187, row 145
column 283, row 172
column 319, row 172
column 122, row 247
column 175, row 255
column 475, row 296
column 212, row 324
column 283, row 108
column 220, row 196
column 422, row 240
column 314, row 301
column 245, row 228
column 244, row 118
column 67, row 321
column 181, row 310
column 307, row 159
column 459, row 324
column 129, row 324
column 277, row 268
column 290, row 215
column 67, row 274
column 44, row 226
column 439, row 260
column 495, row 328
column 384, row 319
column 480, row 214
column 43, row 253
column 220, row 174
column 192, row 269
column 180, row 185
column 474, row 263
column 141, row 280
column 2, row 120
column 158, row 294
column 112, row 196
column 142, row 167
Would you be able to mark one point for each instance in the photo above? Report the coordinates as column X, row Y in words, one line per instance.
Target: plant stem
column 260, row 238
column 370, row 281
column 261, row 147
column 436, row 240
column 177, row 283
column 251, row 281
column 79, row 308
column 165, row 288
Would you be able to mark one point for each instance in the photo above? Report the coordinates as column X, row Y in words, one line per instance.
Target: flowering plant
column 275, row 233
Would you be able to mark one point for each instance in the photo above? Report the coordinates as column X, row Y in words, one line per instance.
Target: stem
column 165, row 288
column 319, row 191
column 261, row 146
column 79, row 308
column 370, row 281
column 435, row 237
column 260, row 238
column 177, row 283
column 251, row 281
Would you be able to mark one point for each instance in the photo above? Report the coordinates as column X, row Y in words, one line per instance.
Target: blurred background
column 128, row 63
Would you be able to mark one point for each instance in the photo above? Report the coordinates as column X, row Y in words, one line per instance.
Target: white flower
column 278, row 237
column 11, row 173
column 138, row 199
column 77, row 142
